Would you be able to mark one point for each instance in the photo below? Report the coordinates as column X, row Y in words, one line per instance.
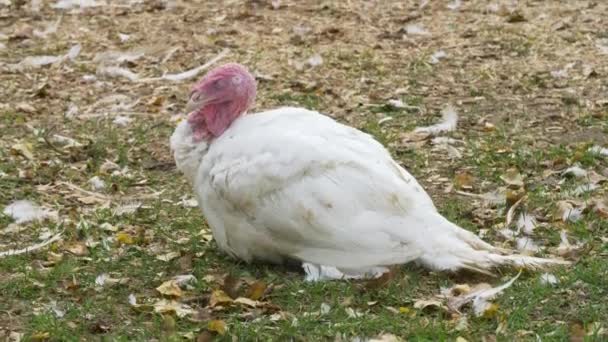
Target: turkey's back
column 292, row 183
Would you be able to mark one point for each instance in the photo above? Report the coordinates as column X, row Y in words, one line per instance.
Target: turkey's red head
column 224, row 94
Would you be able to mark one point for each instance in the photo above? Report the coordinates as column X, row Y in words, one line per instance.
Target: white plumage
column 295, row 184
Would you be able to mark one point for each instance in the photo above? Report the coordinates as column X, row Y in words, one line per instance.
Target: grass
column 495, row 72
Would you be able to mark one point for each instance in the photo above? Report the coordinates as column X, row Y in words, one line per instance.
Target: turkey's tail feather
column 450, row 248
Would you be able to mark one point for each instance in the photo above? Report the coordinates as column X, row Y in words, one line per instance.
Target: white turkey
column 293, row 184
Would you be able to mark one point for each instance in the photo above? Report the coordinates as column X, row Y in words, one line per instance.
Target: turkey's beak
column 197, row 100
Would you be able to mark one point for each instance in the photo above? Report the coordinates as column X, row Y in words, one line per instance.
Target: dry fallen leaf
column 172, row 306
column 77, row 248
column 217, row 326
column 513, row 178
column 23, row 149
column 464, row 180
column 168, row 256
column 125, row 238
column 170, row 288
column 428, row 304
column 219, row 297
column 566, row 211
column 257, row 290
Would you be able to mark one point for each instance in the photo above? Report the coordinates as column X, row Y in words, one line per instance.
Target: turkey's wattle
column 293, row 184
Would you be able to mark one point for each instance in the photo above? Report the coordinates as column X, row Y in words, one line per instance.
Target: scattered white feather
column 35, row 5
column 526, row 245
column 526, row 223
column 184, row 279
column 39, row 61
column 122, row 120
column 396, row 103
column 132, row 300
column 314, row 60
column 481, row 298
column 602, row 151
column 565, row 247
column 321, row 273
column 23, row 211
column 58, row 312
column 416, row 30
column 507, row 233
column 114, row 71
column 69, row 4
column 448, row 123
column 581, row 189
column 51, row 29
column 454, row 5
column 325, row 308
column 602, row 46
column 385, row 119
column 187, row 74
column 444, row 141
column 548, row 279
column 31, row 248
column 64, row 141
column 128, row 208
column 189, row 202
column 437, row 56
column 123, row 37
column 117, row 57
column 100, row 280
column 575, row 171
column 97, row 183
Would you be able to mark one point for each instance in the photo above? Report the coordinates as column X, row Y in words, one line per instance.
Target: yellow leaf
column 169, row 306
column 491, row 310
column 219, row 297
column 513, row 178
column 423, row 304
column 461, row 339
column 404, row 310
column 40, row 336
column 257, row 289
column 217, row 326
column 170, row 288
column 24, row 149
column 247, row 302
column 168, row 256
column 125, row 238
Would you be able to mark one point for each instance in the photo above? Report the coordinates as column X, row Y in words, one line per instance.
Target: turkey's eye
column 236, row 80
column 219, row 84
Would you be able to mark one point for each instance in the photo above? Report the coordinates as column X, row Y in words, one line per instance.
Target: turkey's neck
column 188, row 152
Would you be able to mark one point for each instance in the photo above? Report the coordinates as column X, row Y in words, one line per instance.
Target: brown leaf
column 382, row 280
column 204, row 336
column 77, row 248
column 464, row 180
column 601, row 207
column 231, row 285
column 577, row 332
